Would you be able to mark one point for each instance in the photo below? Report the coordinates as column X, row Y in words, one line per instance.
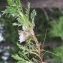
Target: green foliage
column 56, row 29
column 25, row 52
column 15, row 9
column 59, row 52
column 33, row 14
column 31, row 47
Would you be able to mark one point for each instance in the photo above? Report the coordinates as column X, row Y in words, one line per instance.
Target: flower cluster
column 25, row 34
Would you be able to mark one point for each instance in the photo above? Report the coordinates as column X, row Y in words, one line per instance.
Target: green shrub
column 59, row 52
column 56, row 29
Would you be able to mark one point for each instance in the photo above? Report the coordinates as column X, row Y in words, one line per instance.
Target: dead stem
column 39, row 49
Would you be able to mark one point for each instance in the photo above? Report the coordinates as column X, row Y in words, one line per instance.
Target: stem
column 38, row 47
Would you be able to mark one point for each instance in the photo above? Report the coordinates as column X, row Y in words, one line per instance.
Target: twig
column 45, row 14
column 45, row 37
column 50, row 52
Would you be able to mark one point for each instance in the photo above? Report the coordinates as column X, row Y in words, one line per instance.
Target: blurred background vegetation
column 50, row 19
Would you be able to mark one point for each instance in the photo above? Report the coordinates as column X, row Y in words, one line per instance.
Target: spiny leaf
column 17, row 57
column 21, row 62
column 10, row 2
column 28, row 10
column 33, row 14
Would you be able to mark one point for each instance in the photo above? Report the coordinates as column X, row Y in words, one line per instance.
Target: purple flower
column 24, row 35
